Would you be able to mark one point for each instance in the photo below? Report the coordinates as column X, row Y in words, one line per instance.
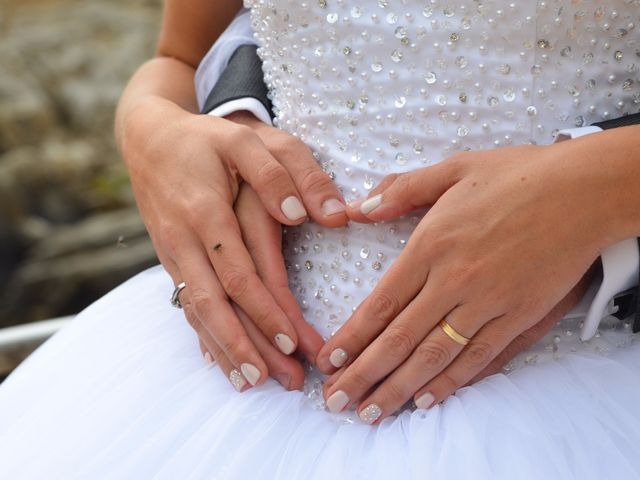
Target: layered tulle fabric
column 123, row 393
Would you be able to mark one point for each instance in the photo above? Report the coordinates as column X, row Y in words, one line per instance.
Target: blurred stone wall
column 69, row 230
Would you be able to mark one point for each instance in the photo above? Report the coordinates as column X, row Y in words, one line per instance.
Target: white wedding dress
column 374, row 87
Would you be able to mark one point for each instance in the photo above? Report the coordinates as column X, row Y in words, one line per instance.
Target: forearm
column 164, row 86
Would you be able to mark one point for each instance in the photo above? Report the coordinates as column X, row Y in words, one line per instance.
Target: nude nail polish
column 332, row 207
column 250, row 372
column 208, row 358
column 338, row 357
column 337, row 401
column 370, row 413
column 425, row 400
column 284, row 379
column 237, row 380
column 293, row 208
column 285, row 344
column 356, row 203
column 371, row 204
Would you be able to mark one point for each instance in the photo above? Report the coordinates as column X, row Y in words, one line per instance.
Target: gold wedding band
column 452, row 334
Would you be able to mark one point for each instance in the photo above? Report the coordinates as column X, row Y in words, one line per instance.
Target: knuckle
column 238, row 133
column 383, row 305
column 234, row 346
column 394, row 394
column 359, row 381
column 202, row 303
column 398, row 342
column 447, row 383
column 432, row 355
column 270, row 174
column 285, row 145
column 477, row 354
column 314, row 180
column 198, row 209
column 170, row 237
column 266, row 320
column 234, row 282
column 402, row 183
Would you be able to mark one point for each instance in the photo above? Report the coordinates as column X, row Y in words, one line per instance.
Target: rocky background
column 69, row 229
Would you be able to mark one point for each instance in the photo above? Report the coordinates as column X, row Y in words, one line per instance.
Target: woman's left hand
column 510, row 232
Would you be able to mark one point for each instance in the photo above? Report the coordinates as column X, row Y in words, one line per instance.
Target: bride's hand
column 186, row 171
column 510, row 232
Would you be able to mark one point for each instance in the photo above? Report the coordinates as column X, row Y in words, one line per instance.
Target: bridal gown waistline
column 123, row 392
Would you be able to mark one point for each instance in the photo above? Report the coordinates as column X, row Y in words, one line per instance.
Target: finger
column 211, row 308
column 235, row 269
column 474, row 358
column 429, row 359
column 263, row 238
column 320, row 195
column 285, row 369
column 204, row 339
column 395, row 345
column 227, row 367
column 534, row 334
column 327, row 386
column 269, row 179
column 212, row 352
column 206, row 354
column 375, row 313
column 405, row 193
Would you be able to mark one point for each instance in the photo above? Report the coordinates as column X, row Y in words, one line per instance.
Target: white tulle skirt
column 123, row 393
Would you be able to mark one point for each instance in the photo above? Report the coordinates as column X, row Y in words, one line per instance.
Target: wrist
column 605, row 168
column 244, row 117
column 144, row 121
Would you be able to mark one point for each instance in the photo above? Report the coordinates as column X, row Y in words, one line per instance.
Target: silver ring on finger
column 175, row 296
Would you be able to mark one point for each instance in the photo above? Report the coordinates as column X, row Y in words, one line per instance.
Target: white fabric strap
column 620, row 263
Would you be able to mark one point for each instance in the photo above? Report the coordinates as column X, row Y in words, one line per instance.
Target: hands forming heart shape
column 499, row 257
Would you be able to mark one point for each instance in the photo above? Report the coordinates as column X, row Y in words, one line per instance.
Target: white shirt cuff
column 620, row 264
column 248, row 103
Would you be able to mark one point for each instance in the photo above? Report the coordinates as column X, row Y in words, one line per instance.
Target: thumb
column 399, row 194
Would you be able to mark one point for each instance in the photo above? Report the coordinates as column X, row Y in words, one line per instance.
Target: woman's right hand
column 186, row 171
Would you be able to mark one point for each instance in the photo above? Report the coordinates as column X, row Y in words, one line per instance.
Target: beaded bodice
column 382, row 86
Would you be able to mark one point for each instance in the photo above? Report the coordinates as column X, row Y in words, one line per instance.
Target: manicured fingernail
column 425, row 400
column 338, row 357
column 371, row 204
column 332, row 206
column 284, row 379
column 337, row 401
column 356, row 203
column 237, row 380
column 370, row 413
column 250, row 372
column 208, row 358
column 293, row 209
column 285, row 344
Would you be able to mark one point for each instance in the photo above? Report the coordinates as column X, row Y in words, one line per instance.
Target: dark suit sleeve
column 627, row 301
column 243, row 78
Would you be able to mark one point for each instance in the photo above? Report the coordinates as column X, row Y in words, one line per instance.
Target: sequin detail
column 370, row 414
column 390, row 86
